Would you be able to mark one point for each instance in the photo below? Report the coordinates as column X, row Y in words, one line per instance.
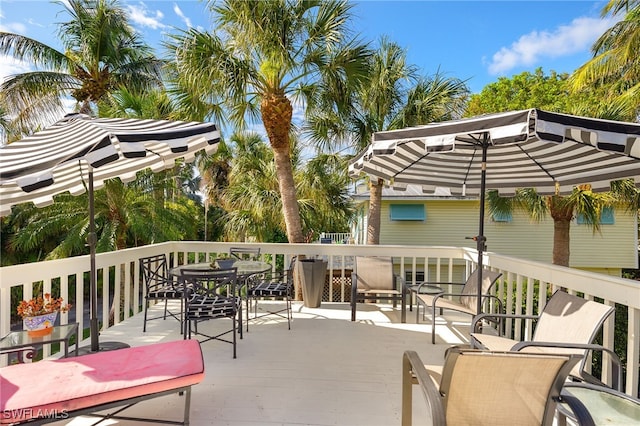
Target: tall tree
column 615, row 64
column 551, row 92
column 393, row 96
column 264, row 55
column 101, row 53
column 252, row 199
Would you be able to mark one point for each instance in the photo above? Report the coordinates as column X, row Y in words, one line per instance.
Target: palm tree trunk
column 375, row 207
column 561, row 250
column 287, row 187
column 562, row 213
column 276, row 113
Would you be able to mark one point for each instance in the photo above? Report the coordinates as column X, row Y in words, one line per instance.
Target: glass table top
column 18, row 339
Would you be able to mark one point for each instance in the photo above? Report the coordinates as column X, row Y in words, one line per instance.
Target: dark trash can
column 312, row 276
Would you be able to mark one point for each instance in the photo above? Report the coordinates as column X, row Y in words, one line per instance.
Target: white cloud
column 181, row 15
column 10, row 66
column 141, row 15
column 537, row 45
column 12, row 27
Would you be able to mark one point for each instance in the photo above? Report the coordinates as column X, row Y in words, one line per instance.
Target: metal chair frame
column 274, row 286
column 211, row 294
column 159, row 285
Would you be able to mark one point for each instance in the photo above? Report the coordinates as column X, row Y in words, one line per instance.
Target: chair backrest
column 570, row 319
column 468, row 295
column 245, row 253
column 155, row 271
column 502, row 388
column 375, row 273
column 210, row 282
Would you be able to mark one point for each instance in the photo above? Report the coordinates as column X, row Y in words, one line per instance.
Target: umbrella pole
column 92, row 279
column 481, row 239
column 96, row 346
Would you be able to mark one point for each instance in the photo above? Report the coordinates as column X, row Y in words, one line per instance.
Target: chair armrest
column 616, row 364
column 577, row 408
column 413, row 372
column 435, row 284
column 493, row 317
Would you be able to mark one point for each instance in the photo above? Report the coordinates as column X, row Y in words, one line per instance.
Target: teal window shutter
column 414, row 212
column 606, row 218
column 502, row 217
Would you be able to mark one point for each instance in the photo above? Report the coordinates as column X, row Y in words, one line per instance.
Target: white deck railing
column 444, row 264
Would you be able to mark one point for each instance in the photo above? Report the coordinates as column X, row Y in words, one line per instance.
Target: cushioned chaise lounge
column 52, row 390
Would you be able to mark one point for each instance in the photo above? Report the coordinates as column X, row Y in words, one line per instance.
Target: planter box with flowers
column 39, row 314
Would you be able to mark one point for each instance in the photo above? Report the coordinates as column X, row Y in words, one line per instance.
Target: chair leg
column 165, row 309
column 239, row 321
column 433, row 326
column 234, row 337
column 144, row 323
column 248, row 310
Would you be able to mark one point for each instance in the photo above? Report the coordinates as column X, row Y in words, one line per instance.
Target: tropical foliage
column 615, row 67
column 252, row 201
column 264, row 56
column 101, row 53
column 394, row 95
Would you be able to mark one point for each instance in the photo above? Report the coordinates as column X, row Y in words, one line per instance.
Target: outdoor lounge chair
column 488, row 388
column 374, row 279
column 567, row 324
column 465, row 301
column 55, row 390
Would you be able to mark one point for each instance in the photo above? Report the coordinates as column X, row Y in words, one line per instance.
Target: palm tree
column 563, row 209
column 265, row 55
column 392, row 97
column 252, row 199
column 101, row 53
column 615, row 62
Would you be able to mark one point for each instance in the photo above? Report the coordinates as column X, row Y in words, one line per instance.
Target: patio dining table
column 245, row 268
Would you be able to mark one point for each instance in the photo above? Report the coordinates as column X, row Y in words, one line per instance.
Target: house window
column 502, row 217
column 407, row 212
column 606, row 218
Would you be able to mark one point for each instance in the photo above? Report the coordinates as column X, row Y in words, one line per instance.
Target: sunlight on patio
column 326, row 371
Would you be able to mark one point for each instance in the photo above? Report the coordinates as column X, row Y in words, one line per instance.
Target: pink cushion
column 64, row 385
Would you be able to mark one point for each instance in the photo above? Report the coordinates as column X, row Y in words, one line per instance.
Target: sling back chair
column 374, row 279
column 488, row 388
column 464, row 301
column 567, row 324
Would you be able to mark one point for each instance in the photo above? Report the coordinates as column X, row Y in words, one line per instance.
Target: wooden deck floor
column 326, row 370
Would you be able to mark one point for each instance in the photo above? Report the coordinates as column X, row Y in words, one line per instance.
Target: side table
column 20, row 341
column 421, row 288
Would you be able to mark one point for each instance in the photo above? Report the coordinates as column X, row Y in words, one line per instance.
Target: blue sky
column 477, row 41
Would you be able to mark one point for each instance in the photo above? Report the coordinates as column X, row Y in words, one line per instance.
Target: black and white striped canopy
column 525, row 149
column 58, row 158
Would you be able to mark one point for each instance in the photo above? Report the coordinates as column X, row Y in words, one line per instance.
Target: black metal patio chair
column 211, row 294
column 271, row 286
column 159, row 285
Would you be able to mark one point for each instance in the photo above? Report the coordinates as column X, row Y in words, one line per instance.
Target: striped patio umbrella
column 79, row 153
column 547, row 151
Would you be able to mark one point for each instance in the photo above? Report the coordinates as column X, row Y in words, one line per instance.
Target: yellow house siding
column 450, row 221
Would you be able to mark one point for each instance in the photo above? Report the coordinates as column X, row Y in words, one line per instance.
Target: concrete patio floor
column 326, row 370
